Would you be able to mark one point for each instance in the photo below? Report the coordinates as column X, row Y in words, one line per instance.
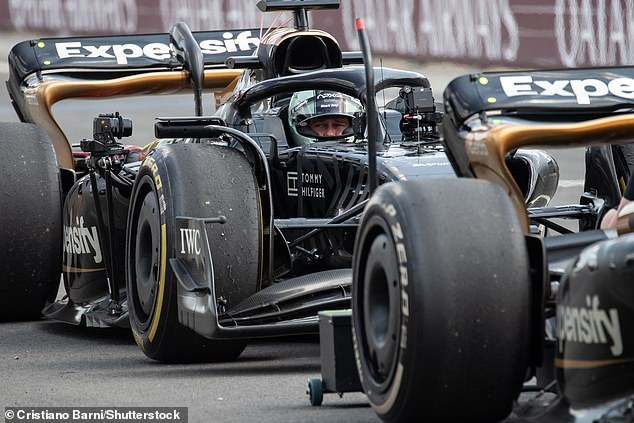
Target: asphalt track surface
column 45, row 363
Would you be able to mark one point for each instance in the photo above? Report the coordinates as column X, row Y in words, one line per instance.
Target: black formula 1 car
column 233, row 225
column 459, row 299
column 236, row 225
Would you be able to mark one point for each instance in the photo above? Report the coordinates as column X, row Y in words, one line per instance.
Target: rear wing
column 564, row 94
column 556, row 108
column 45, row 71
column 119, row 53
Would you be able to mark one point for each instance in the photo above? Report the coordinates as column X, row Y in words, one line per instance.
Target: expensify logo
column 581, row 89
column 80, row 239
column 157, row 51
column 590, row 325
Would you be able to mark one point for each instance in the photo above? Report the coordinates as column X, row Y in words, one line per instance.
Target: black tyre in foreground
column 441, row 301
column 195, row 180
column 30, row 221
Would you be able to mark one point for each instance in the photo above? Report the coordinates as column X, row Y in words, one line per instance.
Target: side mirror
column 359, row 124
column 274, row 156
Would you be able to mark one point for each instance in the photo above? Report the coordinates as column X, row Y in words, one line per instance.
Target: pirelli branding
column 151, row 164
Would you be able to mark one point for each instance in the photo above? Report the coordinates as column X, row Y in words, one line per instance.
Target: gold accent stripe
column 588, row 364
column 46, row 94
column 487, row 146
column 71, row 269
column 161, row 287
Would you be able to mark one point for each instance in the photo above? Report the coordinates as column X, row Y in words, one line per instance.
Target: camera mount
column 107, row 128
column 419, row 114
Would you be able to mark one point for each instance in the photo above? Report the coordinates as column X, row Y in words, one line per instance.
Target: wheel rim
column 381, row 311
column 146, row 257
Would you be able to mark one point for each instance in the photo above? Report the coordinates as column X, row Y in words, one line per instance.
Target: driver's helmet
column 306, row 110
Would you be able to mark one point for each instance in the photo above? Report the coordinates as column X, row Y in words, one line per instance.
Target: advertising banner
column 535, row 33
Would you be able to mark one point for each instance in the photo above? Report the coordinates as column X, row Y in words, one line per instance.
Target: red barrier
column 539, row 33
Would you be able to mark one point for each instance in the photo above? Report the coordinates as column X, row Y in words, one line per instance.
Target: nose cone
column 595, row 325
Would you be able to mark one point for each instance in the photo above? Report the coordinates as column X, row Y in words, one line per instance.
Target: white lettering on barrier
column 451, row 28
column 243, row 14
column 593, row 32
column 75, row 15
column 36, row 14
column 199, row 14
column 214, row 14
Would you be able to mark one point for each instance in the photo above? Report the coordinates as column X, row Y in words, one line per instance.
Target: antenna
column 370, row 102
column 388, row 138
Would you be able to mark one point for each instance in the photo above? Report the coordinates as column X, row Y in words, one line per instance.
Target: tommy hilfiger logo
column 292, row 188
column 312, row 185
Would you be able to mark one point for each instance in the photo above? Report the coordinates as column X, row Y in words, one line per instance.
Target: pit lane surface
column 45, row 363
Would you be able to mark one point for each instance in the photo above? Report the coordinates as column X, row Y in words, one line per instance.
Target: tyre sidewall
column 153, row 175
column 197, row 180
column 386, row 215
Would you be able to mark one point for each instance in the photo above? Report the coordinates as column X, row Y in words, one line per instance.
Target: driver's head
column 316, row 115
column 329, row 126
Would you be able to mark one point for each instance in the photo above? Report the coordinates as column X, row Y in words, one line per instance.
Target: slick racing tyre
column 202, row 181
column 30, row 221
column 441, row 301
